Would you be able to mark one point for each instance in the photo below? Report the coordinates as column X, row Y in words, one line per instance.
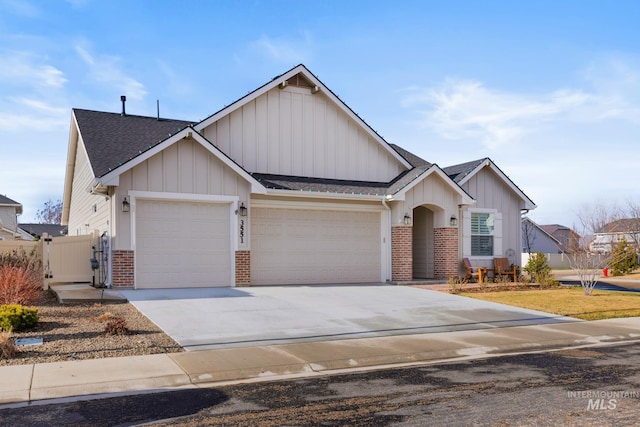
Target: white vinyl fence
column 64, row 259
column 553, row 260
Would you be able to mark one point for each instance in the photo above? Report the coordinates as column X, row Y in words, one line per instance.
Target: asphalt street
column 597, row 386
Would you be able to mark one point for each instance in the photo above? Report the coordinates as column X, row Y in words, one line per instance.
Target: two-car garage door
column 304, row 246
column 182, row 244
column 188, row 244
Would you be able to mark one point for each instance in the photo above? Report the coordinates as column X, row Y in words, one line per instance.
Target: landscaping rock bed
column 77, row 331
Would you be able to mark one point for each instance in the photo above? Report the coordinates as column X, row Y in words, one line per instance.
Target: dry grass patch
column 570, row 302
column 7, row 348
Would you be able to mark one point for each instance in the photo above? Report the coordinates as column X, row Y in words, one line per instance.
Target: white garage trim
column 231, row 201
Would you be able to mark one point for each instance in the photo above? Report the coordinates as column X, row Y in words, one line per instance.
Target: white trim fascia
column 181, row 197
column 319, row 195
column 400, row 195
column 301, row 69
column 290, row 204
column 528, row 204
column 112, row 178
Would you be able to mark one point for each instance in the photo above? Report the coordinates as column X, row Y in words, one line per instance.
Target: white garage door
column 298, row 246
column 182, row 244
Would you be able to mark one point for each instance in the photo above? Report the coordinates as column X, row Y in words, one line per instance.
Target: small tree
column 528, row 234
column 586, row 263
column 539, row 270
column 51, row 213
column 623, row 258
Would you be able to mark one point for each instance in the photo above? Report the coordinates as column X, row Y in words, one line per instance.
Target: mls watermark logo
column 601, row 400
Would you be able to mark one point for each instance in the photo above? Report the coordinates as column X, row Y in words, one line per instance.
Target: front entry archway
column 423, row 244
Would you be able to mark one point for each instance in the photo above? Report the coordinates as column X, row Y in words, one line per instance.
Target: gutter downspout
column 107, row 281
column 387, row 237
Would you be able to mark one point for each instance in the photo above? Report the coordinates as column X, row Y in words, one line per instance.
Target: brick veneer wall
column 243, row 267
column 401, row 253
column 446, row 261
column 122, row 268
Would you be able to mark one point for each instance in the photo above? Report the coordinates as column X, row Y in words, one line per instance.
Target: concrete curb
column 40, row 383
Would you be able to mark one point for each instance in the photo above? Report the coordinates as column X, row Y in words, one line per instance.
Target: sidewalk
column 30, row 384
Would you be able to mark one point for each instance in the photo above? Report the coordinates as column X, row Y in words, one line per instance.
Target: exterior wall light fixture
column 126, row 206
column 453, row 221
column 407, row 219
column 242, row 210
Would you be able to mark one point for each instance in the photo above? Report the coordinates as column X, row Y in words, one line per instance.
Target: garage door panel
column 306, row 246
column 182, row 244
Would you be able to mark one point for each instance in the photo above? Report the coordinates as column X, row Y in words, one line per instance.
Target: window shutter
column 466, row 234
column 497, row 234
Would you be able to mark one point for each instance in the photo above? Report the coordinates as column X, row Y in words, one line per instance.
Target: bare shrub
column 20, row 278
column 116, row 326
column 7, row 347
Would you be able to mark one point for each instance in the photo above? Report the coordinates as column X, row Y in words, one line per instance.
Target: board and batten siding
column 491, row 192
column 293, row 132
column 433, row 193
column 186, row 167
column 87, row 212
column 8, row 218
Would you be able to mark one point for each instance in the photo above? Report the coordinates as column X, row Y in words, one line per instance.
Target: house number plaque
column 241, row 230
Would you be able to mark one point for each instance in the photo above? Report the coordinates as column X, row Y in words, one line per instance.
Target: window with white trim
column 482, row 233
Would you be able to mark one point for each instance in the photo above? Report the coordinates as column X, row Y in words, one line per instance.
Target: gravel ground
column 76, row 331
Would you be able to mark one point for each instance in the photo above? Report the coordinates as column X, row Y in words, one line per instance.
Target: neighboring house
column 536, row 239
column 492, row 226
column 565, row 235
column 287, row 185
column 614, row 232
column 37, row 230
column 9, row 211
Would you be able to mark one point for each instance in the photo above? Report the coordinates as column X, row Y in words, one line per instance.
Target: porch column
column 402, row 253
column 445, row 241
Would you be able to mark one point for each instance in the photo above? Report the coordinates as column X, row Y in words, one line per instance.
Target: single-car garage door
column 182, row 244
column 300, row 246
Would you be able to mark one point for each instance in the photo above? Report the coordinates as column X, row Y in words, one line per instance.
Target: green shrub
column 623, row 259
column 15, row 317
column 539, row 270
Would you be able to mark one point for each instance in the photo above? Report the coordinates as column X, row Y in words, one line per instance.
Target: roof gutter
column 319, row 195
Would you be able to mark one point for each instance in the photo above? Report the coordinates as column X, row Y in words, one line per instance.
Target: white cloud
column 106, row 69
column 21, row 68
column 284, row 50
column 467, row 109
column 21, row 8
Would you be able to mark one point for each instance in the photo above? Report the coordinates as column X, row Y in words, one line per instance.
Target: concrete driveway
column 200, row 319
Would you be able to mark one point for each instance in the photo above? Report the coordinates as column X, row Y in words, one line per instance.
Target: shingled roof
column 4, row 200
column 458, row 172
column 321, row 185
column 416, row 161
column 112, row 139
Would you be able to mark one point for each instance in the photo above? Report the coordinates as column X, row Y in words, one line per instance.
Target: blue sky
column 550, row 90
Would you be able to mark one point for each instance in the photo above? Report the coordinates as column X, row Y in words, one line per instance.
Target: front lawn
column 569, row 302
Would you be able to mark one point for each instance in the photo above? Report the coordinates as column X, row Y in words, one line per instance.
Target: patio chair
column 471, row 272
column 501, row 267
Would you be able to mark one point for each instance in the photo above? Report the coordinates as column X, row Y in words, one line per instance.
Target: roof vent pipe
column 123, row 99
